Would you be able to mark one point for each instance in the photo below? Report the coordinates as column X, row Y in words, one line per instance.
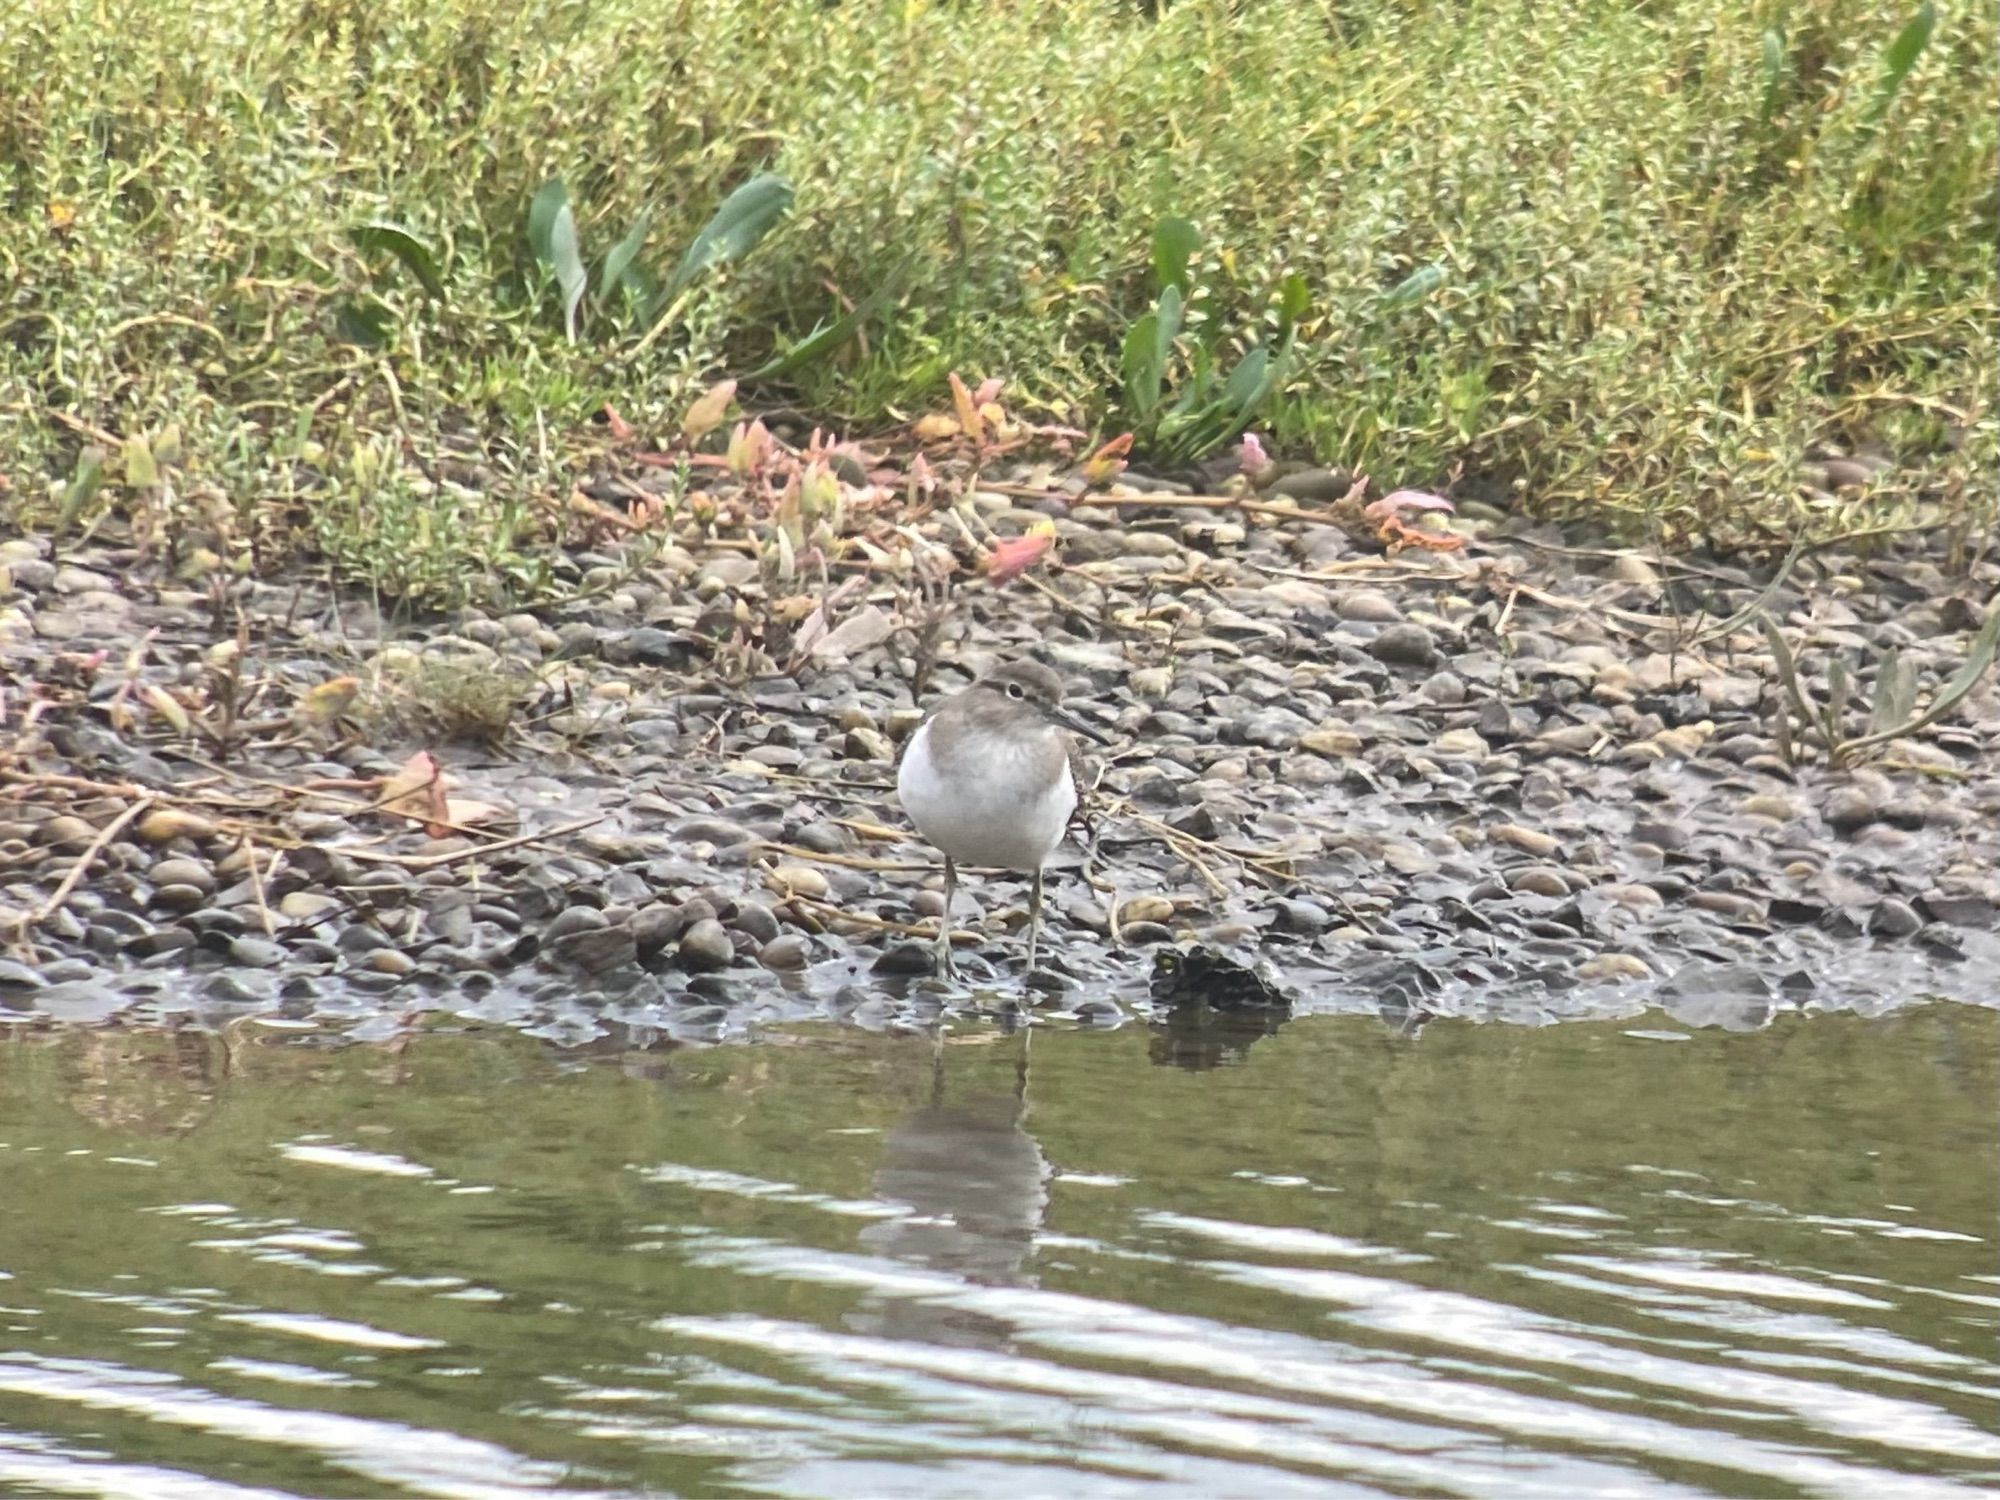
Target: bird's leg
column 944, row 967
column 1034, row 917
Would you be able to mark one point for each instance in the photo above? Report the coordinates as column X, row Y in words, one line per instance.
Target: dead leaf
column 324, row 704
column 708, row 412
column 1397, row 501
column 416, row 792
column 621, row 430
column 967, row 410
column 936, row 427
column 467, row 812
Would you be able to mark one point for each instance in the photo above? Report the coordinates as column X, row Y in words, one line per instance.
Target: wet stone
column 706, row 946
column 787, row 953
column 1404, row 645
column 256, row 953
column 906, row 958
column 1894, row 919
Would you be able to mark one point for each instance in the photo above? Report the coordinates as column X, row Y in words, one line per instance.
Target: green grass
column 1680, row 243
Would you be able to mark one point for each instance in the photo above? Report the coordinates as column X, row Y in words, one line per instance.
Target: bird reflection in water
column 975, row 1183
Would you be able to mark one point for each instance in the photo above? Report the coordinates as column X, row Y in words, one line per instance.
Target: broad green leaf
column 568, row 258
column 1294, row 300
column 1172, row 309
column 140, row 469
column 745, row 217
column 550, row 199
column 1774, row 72
column 1141, row 368
column 1902, row 56
column 379, row 236
column 1413, row 288
column 1174, row 244
column 617, row 274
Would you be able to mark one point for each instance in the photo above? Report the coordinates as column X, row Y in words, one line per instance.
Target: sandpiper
column 992, row 778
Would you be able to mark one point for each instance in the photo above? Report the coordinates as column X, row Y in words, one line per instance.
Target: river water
column 1595, row 1260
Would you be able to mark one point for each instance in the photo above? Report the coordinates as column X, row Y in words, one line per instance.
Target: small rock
column 1367, row 606
column 1538, row 881
column 1148, row 908
column 795, row 879
column 1849, row 809
column 256, row 952
column 1769, row 805
column 1616, row 966
column 1894, row 919
column 164, row 824
column 787, row 953
column 1404, row 645
column 389, row 961
column 1333, row 742
column 1533, row 840
column 906, row 959
column 182, row 872
column 706, row 946
column 1460, row 744
column 865, row 743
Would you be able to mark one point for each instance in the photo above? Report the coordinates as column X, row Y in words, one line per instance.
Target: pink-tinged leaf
column 989, row 390
column 1396, row 502
column 621, row 430
column 1251, row 457
column 1011, row 558
column 1108, row 461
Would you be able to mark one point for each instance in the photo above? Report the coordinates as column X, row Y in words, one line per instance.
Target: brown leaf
column 708, row 412
column 935, row 427
column 967, row 410
column 416, row 792
column 621, row 430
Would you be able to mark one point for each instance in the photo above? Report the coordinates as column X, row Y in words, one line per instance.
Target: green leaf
column 568, row 258
column 618, row 265
column 1142, row 370
column 1294, row 301
column 379, row 236
column 84, row 483
column 366, row 321
column 1774, row 72
column 1174, row 244
column 1901, row 57
column 827, row 337
column 745, row 217
column 1172, row 310
column 550, row 199
column 1413, row 288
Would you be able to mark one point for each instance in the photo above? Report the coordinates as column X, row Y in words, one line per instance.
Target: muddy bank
column 1528, row 781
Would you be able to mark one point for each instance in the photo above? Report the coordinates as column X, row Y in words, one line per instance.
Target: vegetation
column 1631, row 260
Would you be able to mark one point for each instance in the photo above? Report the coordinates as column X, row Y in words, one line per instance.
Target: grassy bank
column 1675, row 246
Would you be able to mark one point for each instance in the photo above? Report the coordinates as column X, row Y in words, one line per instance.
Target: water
column 1488, row 1261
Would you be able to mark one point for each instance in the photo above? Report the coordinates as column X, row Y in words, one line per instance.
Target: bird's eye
column 1013, row 690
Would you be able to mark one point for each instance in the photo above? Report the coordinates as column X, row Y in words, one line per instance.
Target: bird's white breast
column 1009, row 815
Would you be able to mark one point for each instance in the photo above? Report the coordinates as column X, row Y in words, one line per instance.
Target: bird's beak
column 1076, row 725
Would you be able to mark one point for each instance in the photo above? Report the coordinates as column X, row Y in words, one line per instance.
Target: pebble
column 1333, row 742
column 787, row 953
column 256, row 952
column 1615, row 966
column 706, row 946
column 188, row 872
column 1149, row 908
column 1404, row 645
column 1532, row 840
column 1894, row 919
column 1538, row 881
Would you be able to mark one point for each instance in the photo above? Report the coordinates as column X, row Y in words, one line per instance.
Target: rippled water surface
column 1486, row 1261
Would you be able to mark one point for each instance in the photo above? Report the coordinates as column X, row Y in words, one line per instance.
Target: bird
column 992, row 777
